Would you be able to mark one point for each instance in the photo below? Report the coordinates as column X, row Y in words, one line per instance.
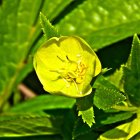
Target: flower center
column 72, row 71
column 75, row 72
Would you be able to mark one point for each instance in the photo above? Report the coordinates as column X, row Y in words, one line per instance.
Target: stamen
column 60, row 58
column 67, row 57
column 74, row 71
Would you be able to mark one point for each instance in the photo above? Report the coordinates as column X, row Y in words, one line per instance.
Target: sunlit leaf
column 48, row 29
column 124, row 131
column 28, row 125
column 108, row 21
column 44, row 102
column 119, row 133
column 116, row 117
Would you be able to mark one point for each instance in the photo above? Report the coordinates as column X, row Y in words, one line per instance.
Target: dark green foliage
column 106, row 94
column 132, row 73
column 85, row 109
column 112, row 110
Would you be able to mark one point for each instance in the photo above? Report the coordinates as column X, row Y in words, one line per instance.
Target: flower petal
column 90, row 58
column 66, row 66
column 71, row 46
column 51, row 55
column 74, row 91
column 55, row 87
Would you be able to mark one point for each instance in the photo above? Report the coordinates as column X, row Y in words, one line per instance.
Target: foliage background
column 107, row 26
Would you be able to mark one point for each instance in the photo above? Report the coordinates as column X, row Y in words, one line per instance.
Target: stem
column 125, row 108
column 8, row 90
column 28, row 93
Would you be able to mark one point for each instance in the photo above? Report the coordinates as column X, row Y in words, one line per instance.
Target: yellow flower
column 66, row 66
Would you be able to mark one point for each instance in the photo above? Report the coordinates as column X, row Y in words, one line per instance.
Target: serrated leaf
column 48, row 29
column 44, row 102
column 131, row 73
column 104, row 70
column 85, row 109
column 87, row 116
column 52, row 11
column 106, row 94
column 28, row 125
column 107, row 20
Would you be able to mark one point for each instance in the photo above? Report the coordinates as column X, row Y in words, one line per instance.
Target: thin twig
column 28, row 93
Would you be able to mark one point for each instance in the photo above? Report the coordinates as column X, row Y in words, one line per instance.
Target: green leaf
column 7, row 45
column 118, row 133
column 53, row 10
column 28, row 125
column 80, row 129
column 108, row 21
column 44, row 102
column 116, row 78
column 68, row 123
column 116, row 117
column 104, row 119
column 48, row 29
column 112, row 35
column 88, row 136
column 131, row 87
column 136, row 137
column 135, row 128
column 134, row 61
column 20, row 30
column 106, row 94
column 87, row 116
column 132, row 73
column 85, row 109
column 16, row 29
column 124, row 131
